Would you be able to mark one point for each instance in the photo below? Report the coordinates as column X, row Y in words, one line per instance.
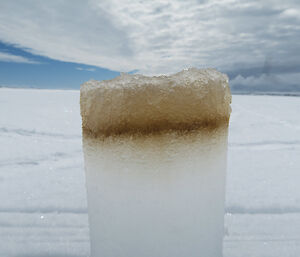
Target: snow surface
column 42, row 184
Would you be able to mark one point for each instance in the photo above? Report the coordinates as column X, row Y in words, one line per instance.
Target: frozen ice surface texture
column 42, row 193
column 185, row 100
column 156, row 184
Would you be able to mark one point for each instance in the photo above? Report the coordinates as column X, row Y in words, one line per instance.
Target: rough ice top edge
column 186, row 100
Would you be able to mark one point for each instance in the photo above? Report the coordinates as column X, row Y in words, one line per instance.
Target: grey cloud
column 7, row 57
column 272, row 68
column 266, row 83
column 161, row 36
column 69, row 31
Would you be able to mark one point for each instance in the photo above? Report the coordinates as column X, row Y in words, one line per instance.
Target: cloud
column 159, row 36
column 267, row 82
column 291, row 13
column 7, row 57
column 85, row 69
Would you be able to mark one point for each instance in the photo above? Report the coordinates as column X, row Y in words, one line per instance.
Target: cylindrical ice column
column 155, row 161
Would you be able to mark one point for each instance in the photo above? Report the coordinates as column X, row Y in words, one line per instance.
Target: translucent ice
column 155, row 160
column 134, row 103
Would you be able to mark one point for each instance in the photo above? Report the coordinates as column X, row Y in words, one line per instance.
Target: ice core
column 186, row 100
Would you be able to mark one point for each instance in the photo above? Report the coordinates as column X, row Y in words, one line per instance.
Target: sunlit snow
column 42, row 184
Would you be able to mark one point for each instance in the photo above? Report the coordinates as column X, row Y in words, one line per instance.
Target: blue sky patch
column 20, row 68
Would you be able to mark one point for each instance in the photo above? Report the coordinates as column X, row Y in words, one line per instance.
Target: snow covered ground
column 42, row 187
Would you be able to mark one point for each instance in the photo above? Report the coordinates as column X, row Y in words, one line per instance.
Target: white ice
column 42, row 192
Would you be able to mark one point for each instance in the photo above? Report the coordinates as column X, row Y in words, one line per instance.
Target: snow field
column 42, row 183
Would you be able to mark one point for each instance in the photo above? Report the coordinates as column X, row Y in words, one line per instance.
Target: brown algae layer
column 137, row 104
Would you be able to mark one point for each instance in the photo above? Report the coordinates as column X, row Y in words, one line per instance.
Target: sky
column 61, row 44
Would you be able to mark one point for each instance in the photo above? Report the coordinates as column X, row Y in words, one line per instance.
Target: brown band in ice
column 186, row 100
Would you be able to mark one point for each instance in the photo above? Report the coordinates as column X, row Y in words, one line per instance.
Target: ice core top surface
column 189, row 99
